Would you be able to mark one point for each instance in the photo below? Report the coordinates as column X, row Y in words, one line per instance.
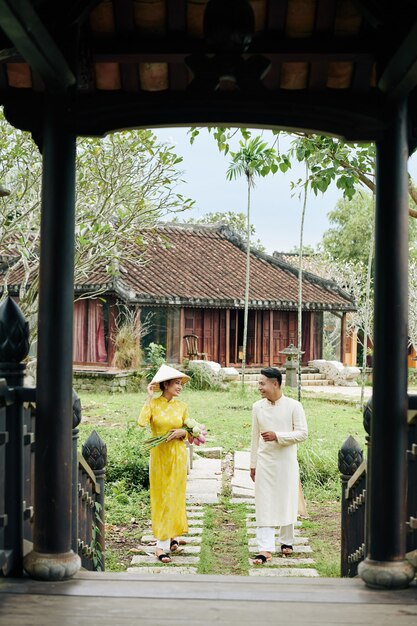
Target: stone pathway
column 301, row 563
column 203, row 487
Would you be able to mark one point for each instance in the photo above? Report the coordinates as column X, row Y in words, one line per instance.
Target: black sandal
column 174, row 545
column 288, row 549
column 261, row 557
column 164, row 556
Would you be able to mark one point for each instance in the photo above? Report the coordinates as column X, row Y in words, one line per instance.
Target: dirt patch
column 121, row 544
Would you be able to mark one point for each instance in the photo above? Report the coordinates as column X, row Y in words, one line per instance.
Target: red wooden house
column 192, row 281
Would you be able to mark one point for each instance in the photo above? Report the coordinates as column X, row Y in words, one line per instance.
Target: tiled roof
column 205, row 266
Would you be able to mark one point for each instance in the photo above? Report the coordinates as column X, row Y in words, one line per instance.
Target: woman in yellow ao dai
column 168, row 465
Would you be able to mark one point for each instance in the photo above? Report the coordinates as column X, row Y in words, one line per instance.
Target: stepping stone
column 210, row 466
column 297, row 541
column 210, row 453
column 287, row 562
column 203, row 474
column 203, row 498
column 242, row 500
column 150, row 539
column 242, row 460
column 183, row 550
column 173, row 571
column 251, row 530
column 150, row 560
column 194, row 515
column 194, row 522
column 239, row 492
column 193, row 507
column 241, row 478
column 284, row 572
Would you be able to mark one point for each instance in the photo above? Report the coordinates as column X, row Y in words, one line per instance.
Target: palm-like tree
column 254, row 158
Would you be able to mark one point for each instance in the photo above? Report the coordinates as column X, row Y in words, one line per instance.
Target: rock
column 229, row 374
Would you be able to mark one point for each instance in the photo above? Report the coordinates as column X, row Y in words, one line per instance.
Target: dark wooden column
column 343, row 339
column 385, row 565
column 52, row 557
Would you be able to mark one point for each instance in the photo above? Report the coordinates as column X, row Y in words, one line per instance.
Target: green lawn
column 227, row 416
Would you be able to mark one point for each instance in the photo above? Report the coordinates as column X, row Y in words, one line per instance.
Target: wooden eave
column 334, row 65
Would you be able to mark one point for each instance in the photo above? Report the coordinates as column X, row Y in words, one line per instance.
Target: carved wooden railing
column 17, row 459
column 87, row 489
column 353, row 476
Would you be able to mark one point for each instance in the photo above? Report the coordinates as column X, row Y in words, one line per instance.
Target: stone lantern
column 291, row 364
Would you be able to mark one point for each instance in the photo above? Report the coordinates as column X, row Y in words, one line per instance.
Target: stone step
column 298, row 541
column 150, row 560
column 280, row 562
column 284, row 572
column 187, row 550
column 150, row 539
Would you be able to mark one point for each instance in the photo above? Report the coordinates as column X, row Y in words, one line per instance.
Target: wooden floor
column 126, row 599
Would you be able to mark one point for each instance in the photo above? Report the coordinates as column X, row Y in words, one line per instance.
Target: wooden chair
column 191, row 342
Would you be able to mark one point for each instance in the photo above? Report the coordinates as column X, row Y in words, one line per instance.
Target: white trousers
column 265, row 536
column 163, row 544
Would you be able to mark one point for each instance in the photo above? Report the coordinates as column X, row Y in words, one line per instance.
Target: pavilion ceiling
column 323, row 65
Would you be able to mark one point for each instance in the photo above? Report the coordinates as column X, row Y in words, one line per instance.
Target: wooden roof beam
column 399, row 76
column 23, row 27
column 126, row 50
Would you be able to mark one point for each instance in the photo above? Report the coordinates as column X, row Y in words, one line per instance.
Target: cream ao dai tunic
column 276, row 463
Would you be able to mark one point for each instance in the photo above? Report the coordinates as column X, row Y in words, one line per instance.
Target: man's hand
column 252, row 473
column 269, row 435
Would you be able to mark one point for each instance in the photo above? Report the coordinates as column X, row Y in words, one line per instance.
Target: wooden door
column 222, row 337
column 250, row 344
column 265, row 337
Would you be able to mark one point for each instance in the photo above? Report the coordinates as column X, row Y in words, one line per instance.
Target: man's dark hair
column 272, row 372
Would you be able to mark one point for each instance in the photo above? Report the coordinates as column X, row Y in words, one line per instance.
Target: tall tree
column 125, row 181
column 254, row 158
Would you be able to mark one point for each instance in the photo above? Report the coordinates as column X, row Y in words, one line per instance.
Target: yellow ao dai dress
column 167, row 467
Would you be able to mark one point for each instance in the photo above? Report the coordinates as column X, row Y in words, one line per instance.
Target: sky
column 275, row 211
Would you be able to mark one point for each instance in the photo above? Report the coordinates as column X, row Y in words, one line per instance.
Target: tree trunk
column 300, row 286
column 368, row 289
column 245, row 319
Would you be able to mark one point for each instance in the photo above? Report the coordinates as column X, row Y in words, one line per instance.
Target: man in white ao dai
column 278, row 425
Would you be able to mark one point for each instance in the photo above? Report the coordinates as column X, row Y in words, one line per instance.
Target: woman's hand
column 150, row 390
column 177, row 433
column 253, row 473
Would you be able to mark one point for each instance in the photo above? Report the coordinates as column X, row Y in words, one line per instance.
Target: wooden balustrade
column 88, row 487
column 353, row 477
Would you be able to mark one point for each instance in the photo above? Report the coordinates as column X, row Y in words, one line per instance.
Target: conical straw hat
column 166, row 372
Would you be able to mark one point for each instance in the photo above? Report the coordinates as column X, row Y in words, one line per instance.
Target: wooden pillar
column 343, row 339
column 227, row 337
column 182, row 326
column 311, row 343
column 385, row 564
column 271, row 338
column 52, row 557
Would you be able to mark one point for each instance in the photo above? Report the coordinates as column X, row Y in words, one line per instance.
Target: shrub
column 125, row 461
column 127, row 352
column 203, row 377
column 412, row 376
column 155, row 354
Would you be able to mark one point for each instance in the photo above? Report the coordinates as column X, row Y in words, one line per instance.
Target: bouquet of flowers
column 196, row 434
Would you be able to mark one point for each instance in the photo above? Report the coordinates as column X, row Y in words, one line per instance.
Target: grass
column 224, row 545
column 227, row 416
